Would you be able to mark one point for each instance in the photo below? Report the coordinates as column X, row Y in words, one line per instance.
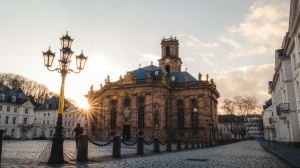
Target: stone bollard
column 186, row 144
column 140, row 146
column 178, row 145
column 192, row 144
column 202, row 144
column 117, row 147
column 82, row 151
column 198, row 144
column 169, row 145
column 156, row 145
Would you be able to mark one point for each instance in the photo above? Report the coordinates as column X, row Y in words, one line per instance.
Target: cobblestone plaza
column 241, row 154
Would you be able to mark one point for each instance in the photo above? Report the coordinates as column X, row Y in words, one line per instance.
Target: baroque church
column 155, row 102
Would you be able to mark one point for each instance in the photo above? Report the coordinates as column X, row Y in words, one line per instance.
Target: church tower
column 170, row 60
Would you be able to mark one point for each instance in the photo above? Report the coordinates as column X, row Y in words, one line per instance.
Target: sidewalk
column 286, row 153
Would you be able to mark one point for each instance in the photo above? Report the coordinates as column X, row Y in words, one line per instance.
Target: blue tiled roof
column 9, row 93
column 179, row 77
column 141, row 73
column 268, row 104
column 53, row 104
column 279, row 52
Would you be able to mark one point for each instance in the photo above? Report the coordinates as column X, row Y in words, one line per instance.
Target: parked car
column 7, row 137
column 40, row 137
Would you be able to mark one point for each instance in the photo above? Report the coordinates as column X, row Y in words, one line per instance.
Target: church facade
column 155, row 102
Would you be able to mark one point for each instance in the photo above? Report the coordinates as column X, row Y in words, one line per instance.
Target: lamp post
column 66, row 53
column 210, row 123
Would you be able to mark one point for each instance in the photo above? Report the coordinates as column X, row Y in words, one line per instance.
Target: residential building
column 268, row 117
column 45, row 118
column 16, row 113
column 156, row 102
column 240, row 127
column 285, row 83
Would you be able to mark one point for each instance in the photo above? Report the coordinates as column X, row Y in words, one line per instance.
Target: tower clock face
column 167, row 60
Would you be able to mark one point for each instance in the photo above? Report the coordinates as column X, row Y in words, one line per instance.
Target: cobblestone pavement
column 241, row 154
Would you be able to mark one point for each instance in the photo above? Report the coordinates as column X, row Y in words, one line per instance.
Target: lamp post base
column 57, row 150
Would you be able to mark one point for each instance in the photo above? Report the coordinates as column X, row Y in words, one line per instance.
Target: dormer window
column 2, row 97
column 156, row 72
column 173, row 78
column 13, row 99
column 47, row 106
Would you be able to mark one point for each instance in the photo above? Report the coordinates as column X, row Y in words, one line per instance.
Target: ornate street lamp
column 210, row 123
column 57, row 155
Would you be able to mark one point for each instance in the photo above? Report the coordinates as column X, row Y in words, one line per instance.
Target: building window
column 6, row 119
column 48, row 114
column 194, row 119
column 13, row 99
column 1, row 108
column 44, row 122
column 180, row 119
column 8, row 109
column 44, row 114
column 113, row 117
column 15, row 109
column 14, row 120
column 141, row 100
column 168, row 69
column 12, row 132
column 141, row 121
column 114, row 102
column 173, row 78
column 194, row 102
column 272, row 113
column 156, row 72
column 167, row 51
column 48, row 122
column 65, row 123
column 69, row 123
column 127, row 102
column 25, row 120
column 2, row 96
column 26, row 111
column 47, row 106
column 180, row 102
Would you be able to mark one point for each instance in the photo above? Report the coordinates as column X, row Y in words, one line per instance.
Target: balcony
column 25, row 125
column 282, row 108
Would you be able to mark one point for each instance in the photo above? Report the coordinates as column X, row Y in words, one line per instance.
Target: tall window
column 6, row 119
column 26, row 111
column 167, row 51
column 25, row 120
column 8, row 109
column 194, row 119
column 1, row 108
column 15, row 109
column 13, row 132
column 14, row 120
column 141, row 115
column 113, row 118
column 180, row 119
column 127, row 102
column 168, row 68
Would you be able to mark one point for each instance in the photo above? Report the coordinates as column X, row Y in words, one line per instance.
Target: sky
column 233, row 41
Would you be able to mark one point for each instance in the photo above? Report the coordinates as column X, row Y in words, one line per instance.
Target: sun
column 84, row 105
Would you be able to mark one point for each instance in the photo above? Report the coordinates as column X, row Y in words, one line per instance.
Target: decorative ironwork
column 282, row 108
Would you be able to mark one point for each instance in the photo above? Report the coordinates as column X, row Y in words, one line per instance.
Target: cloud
column 189, row 59
column 261, row 32
column 246, row 80
column 207, row 61
column 206, row 55
column 150, row 57
column 192, row 41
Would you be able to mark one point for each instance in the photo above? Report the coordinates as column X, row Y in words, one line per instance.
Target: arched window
column 141, row 116
column 180, row 102
column 194, row 119
column 167, row 51
column 180, row 119
column 113, row 117
column 127, row 102
column 168, row 68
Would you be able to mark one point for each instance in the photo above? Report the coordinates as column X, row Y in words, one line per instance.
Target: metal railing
column 282, row 108
column 25, row 125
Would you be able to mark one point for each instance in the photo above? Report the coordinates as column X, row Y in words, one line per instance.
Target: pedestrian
column 78, row 131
